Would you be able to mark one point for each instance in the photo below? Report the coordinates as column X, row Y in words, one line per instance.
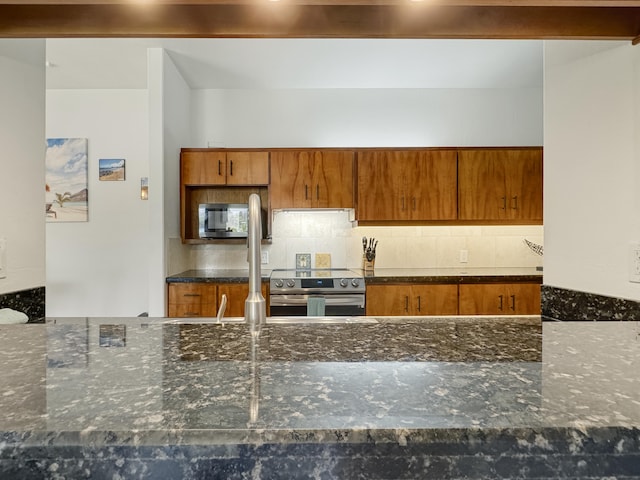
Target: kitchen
column 516, row 91
column 605, row 75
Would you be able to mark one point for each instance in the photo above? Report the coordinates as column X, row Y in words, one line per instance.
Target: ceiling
column 299, row 63
column 312, row 43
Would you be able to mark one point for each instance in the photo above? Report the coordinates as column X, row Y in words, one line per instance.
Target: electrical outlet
column 464, row 256
column 3, row 257
column 634, row 262
column 265, row 257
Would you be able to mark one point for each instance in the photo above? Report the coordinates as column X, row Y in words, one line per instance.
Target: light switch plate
column 3, row 257
column 634, row 262
column 303, row 261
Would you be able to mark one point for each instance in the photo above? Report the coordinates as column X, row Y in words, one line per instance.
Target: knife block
column 368, row 265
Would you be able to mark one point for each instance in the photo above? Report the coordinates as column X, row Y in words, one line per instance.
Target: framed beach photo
column 66, row 180
column 111, row 169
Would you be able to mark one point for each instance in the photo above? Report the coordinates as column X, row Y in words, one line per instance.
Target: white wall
column 100, row 267
column 22, row 105
column 592, row 166
column 367, row 117
column 169, row 104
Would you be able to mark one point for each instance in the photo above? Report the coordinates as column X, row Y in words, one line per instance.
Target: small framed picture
column 111, row 169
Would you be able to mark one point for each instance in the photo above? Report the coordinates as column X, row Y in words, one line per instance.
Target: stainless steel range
column 321, row 292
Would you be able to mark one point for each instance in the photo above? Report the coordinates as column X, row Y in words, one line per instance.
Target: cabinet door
column 237, row 294
column 500, row 299
column 247, row 168
column 381, row 185
column 524, row 298
column 430, row 179
column 482, row 185
column 388, row 300
column 291, row 175
column 192, row 300
column 332, row 180
column 203, row 168
column 500, row 184
column 524, row 184
column 411, row 299
column 434, row 299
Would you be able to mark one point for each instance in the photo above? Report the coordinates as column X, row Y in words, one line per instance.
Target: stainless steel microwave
column 223, row 220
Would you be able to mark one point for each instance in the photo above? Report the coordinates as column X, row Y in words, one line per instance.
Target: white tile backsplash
column 331, row 231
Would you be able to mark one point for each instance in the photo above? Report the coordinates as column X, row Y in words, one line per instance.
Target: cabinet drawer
column 192, row 293
column 192, row 310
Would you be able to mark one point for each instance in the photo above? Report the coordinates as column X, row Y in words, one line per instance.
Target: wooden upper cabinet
column 247, row 168
column 500, row 184
column 407, row 185
column 312, row 179
column 203, row 168
column 225, row 168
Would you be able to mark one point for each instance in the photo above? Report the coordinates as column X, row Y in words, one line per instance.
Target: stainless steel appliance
column 226, row 220
column 328, row 292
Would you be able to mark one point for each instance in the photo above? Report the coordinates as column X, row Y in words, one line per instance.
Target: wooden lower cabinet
column 412, row 299
column 500, row 299
column 203, row 299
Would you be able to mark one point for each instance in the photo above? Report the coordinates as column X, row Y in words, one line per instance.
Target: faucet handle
column 223, row 306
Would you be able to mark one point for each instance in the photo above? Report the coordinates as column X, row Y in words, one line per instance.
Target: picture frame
column 111, row 169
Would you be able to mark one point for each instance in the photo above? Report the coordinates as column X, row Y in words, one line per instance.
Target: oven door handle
column 291, row 300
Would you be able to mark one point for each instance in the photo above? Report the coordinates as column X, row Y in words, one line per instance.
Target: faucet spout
column 255, row 308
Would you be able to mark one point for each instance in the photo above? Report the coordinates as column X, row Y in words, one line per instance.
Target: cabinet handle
column 317, row 192
column 231, row 167
column 414, row 203
column 403, row 203
column 306, row 192
column 419, row 304
column 513, row 303
column 406, row 303
column 500, row 304
column 219, row 167
column 504, row 203
column 192, row 295
column 515, row 203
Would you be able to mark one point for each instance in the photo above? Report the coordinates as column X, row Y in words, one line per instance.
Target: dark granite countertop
column 128, row 393
column 216, row 276
column 384, row 275
column 453, row 275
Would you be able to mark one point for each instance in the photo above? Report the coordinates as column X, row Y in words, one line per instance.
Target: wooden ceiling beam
column 319, row 21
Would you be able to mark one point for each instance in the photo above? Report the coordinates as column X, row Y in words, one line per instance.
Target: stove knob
column 343, row 283
column 355, row 282
column 291, row 283
column 279, row 283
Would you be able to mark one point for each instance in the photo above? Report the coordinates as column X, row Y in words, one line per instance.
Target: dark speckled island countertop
column 388, row 398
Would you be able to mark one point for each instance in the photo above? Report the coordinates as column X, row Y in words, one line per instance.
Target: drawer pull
column 500, row 304
column 513, row 302
column 419, row 304
column 192, row 295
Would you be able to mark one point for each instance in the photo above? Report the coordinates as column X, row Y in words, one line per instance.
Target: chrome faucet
column 255, row 307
